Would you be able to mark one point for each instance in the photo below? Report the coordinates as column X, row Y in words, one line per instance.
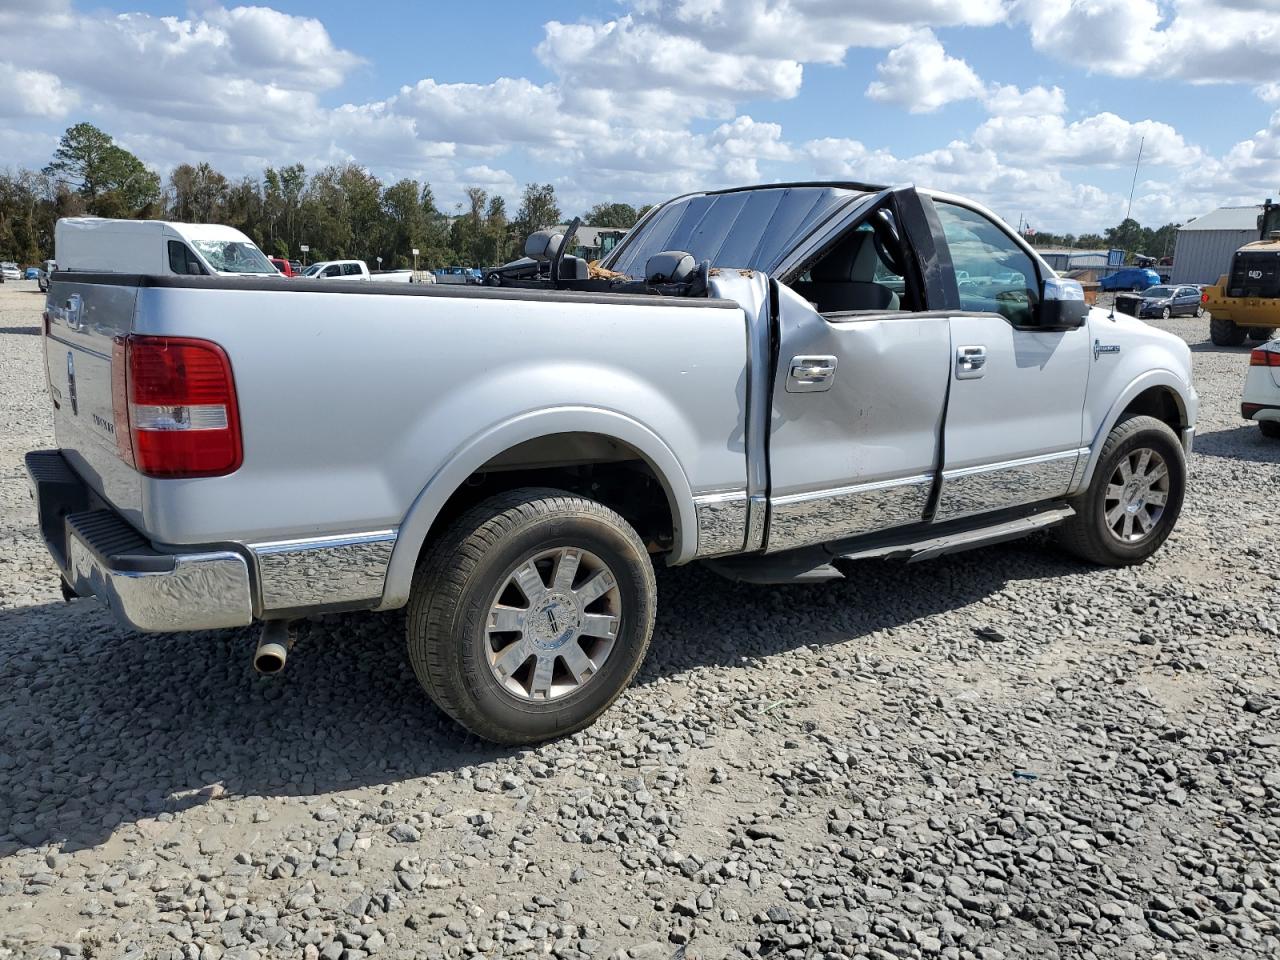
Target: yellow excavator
column 1245, row 303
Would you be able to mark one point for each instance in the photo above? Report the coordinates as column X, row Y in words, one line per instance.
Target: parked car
column 31, row 273
column 1163, row 301
column 45, row 270
column 156, row 248
column 296, row 266
column 805, row 387
column 1130, row 278
column 354, row 270
column 462, row 275
column 1262, row 389
column 9, row 270
column 284, row 266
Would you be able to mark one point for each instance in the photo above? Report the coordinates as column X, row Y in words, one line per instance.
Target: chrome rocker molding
column 322, row 571
column 723, row 520
column 801, row 519
column 203, row 591
column 1009, row 484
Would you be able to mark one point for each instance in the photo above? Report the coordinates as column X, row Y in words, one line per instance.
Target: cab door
column 861, row 384
column 1014, row 429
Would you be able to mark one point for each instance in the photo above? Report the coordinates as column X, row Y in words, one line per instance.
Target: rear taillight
column 1204, row 297
column 1264, row 358
column 174, row 405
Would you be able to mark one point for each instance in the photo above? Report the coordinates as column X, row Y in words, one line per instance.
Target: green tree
column 538, row 210
column 110, row 178
column 611, row 215
column 197, row 194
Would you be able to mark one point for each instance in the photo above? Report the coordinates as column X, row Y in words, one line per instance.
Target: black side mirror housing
column 1062, row 305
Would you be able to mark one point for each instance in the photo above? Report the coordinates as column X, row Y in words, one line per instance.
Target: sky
column 1034, row 107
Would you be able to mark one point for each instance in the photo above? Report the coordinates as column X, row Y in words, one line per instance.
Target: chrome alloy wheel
column 1136, row 495
column 553, row 623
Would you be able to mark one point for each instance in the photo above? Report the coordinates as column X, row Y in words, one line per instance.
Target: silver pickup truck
column 778, row 381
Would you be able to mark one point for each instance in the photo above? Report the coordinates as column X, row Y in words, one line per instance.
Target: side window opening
column 351, row 269
column 862, row 272
column 993, row 273
column 183, row 261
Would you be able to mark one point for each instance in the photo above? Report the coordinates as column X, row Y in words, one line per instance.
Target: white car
column 10, row 271
column 1262, row 389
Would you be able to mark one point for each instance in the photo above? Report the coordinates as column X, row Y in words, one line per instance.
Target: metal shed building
column 1204, row 247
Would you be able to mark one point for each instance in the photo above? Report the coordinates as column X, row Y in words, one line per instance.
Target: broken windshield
column 753, row 229
column 234, row 256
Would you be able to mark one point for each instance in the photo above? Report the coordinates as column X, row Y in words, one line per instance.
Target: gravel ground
column 998, row 754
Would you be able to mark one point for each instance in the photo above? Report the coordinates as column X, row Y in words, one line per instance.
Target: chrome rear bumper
column 100, row 555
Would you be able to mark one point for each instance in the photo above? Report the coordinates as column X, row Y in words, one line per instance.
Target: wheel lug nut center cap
column 554, row 621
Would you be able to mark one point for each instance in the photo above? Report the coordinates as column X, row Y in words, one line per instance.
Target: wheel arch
column 601, row 425
column 1156, row 393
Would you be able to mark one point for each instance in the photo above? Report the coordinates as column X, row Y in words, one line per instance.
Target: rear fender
column 531, row 426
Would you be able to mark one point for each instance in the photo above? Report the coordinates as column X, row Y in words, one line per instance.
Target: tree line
column 341, row 211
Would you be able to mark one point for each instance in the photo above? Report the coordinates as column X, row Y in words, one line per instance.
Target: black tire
column 1166, row 313
column 1224, row 333
column 1270, row 428
column 1261, row 334
column 1087, row 534
column 464, row 573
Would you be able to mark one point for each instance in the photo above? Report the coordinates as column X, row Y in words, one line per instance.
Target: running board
column 963, row 539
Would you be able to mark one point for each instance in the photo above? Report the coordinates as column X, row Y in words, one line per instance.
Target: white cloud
column 33, row 93
column 1202, row 41
column 922, row 77
column 1009, row 101
column 1097, row 141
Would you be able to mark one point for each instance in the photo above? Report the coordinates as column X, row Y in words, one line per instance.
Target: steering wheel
column 879, row 228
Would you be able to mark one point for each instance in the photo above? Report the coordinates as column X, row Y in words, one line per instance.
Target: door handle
column 970, row 362
column 811, row 374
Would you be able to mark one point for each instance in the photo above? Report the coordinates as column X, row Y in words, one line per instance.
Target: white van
column 156, row 247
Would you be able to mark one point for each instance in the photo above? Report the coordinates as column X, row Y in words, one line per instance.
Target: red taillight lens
column 1204, row 297
column 1264, row 358
column 174, row 402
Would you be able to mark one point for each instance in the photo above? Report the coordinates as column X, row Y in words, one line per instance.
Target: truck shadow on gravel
column 1244, row 442
column 101, row 727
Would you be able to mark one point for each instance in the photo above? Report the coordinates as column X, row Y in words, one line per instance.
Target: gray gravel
column 999, row 754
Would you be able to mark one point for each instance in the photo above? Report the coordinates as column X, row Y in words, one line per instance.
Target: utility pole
column 1133, row 186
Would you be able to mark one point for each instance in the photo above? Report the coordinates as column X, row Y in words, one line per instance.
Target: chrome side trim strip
column 722, row 522
column 821, row 516
column 1011, row 483
column 322, row 571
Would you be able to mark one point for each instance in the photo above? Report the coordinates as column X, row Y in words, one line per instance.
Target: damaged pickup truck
column 780, row 381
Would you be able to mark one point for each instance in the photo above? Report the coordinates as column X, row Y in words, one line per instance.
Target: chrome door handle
column 811, row 374
column 970, row 362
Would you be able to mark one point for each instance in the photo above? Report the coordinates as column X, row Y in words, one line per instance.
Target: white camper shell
column 156, row 248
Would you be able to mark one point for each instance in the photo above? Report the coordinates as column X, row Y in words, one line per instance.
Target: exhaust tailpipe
column 273, row 648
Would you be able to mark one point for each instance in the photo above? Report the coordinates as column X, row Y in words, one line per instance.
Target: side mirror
column 1062, row 304
column 542, row 245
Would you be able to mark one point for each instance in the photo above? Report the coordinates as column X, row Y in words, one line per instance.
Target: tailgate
column 84, row 319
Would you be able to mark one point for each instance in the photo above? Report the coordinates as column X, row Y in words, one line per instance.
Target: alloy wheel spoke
column 1114, row 515
column 579, row 664
column 600, row 625
column 507, row 619
column 530, row 582
column 1145, row 520
column 1144, row 458
column 566, row 569
column 595, row 588
column 511, row 659
column 543, row 669
column 1126, row 470
column 1115, row 491
column 1157, row 498
column 1158, row 473
column 1127, row 530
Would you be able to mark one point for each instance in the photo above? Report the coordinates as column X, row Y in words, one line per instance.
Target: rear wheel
column 1270, row 428
column 531, row 614
column 1261, row 334
column 1224, row 333
column 1134, row 498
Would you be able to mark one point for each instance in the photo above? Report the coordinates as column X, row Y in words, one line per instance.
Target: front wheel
column 531, row 614
column 1270, row 428
column 1166, row 313
column 1224, row 333
column 1135, row 496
